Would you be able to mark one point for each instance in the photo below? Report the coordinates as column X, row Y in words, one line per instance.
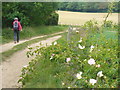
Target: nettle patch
column 84, row 63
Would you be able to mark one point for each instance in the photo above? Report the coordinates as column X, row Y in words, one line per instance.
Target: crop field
column 79, row 18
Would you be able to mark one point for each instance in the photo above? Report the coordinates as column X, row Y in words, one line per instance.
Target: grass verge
column 49, row 70
column 22, row 46
column 28, row 32
column 57, row 73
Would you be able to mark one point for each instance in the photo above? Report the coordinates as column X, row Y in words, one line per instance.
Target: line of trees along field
column 87, row 6
column 43, row 13
column 29, row 13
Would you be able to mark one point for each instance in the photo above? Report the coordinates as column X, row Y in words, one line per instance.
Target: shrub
column 88, row 63
column 91, row 26
column 108, row 24
column 53, row 19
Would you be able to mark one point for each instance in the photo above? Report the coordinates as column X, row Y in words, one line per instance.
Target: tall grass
column 28, row 32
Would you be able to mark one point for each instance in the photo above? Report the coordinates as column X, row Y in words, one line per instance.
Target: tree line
column 29, row 13
column 43, row 13
column 87, row 6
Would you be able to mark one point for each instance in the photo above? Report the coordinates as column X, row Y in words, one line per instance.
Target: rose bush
column 90, row 62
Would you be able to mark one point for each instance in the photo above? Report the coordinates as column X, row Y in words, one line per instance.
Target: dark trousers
column 16, row 35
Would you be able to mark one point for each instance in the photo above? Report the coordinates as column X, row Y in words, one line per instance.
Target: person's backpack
column 15, row 26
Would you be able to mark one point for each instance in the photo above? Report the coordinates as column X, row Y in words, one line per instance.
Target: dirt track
column 11, row 68
column 10, row 45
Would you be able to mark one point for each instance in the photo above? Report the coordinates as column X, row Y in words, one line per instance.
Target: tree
column 29, row 13
column 86, row 6
column 110, row 10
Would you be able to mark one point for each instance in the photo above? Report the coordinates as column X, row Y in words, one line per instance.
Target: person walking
column 16, row 28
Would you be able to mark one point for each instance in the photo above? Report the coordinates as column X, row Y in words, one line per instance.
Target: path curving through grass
column 11, row 68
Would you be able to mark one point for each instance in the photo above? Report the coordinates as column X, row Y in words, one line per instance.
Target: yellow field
column 78, row 18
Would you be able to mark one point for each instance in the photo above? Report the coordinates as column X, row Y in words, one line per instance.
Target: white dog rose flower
column 91, row 61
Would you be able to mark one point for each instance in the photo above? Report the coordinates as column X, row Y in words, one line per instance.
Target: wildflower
column 63, row 83
column 25, row 66
column 112, row 86
column 98, row 65
column 85, row 60
column 91, row 61
column 74, row 28
column 93, row 81
column 108, row 49
column 99, row 74
column 50, row 44
column 68, row 87
column 91, row 48
column 80, row 40
column 20, row 77
column 51, row 57
column 53, row 54
column 28, row 46
column 79, row 75
column 55, row 43
column 68, row 59
column 81, row 47
column 77, row 31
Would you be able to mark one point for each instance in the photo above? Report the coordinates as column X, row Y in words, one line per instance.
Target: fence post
column 69, row 33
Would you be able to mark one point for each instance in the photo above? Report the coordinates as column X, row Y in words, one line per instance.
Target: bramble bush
column 89, row 62
column 91, row 26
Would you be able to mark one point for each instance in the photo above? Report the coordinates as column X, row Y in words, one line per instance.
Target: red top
column 19, row 25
